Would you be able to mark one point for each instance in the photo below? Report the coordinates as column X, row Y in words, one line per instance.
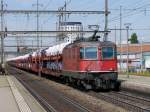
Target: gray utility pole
column 115, row 35
column 2, row 34
column 106, row 21
column 65, row 10
column 62, row 17
column 18, row 44
column 38, row 43
column 65, row 6
column 141, row 55
column 127, row 27
column 120, row 39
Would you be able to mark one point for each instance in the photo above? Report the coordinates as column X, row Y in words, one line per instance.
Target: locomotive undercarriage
column 95, row 81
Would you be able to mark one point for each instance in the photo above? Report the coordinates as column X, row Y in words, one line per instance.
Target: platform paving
column 7, row 100
column 136, row 79
column 137, row 83
column 15, row 98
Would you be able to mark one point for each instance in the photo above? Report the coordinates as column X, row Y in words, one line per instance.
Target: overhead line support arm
column 50, row 12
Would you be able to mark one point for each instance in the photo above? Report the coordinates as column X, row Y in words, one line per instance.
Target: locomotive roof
column 92, row 43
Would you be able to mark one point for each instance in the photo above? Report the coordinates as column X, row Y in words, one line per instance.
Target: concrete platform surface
column 7, row 100
column 15, row 98
column 136, row 79
column 137, row 83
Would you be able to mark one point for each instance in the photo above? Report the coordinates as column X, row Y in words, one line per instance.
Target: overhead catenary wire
column 138, row 6
column 46, row 22
column 47, row 5
column 130, row 11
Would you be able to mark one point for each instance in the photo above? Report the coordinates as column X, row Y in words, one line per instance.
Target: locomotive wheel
column 117, row 86
column 97, row 84
column 86, row 86
column 66, row 79
column 113, row 85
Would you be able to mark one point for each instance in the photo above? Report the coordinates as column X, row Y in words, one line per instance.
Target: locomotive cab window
column 88, row 53
column 91, row 53
column 108, row 53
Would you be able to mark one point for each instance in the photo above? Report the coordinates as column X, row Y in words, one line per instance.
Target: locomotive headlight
column 111, row 69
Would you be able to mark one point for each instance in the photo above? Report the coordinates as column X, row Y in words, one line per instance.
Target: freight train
column 89, row 63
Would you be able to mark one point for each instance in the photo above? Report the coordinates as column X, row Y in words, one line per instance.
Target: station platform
column 135, row 83
column 15, row 98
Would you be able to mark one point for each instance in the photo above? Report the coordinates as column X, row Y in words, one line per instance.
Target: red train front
column 92, row 64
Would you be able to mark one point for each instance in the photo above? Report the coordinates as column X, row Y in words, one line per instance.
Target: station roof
column 134, row 48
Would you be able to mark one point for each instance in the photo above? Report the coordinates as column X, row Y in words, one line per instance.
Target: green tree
column 134, row 39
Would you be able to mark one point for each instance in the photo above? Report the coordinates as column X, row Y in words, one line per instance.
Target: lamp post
column 141, row 55
column 38, row 44
column 3, row 34
column 106, row 21
column 127, row 28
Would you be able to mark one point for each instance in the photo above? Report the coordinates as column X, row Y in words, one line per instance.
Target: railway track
column 72, row 105
column 125, row 100
column 44, row 103
column 133, row 97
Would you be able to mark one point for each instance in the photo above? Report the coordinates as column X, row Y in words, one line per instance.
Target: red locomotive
column 86, row 62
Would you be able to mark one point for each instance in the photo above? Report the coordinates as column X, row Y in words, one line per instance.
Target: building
column 71, row 26
column 139, row 57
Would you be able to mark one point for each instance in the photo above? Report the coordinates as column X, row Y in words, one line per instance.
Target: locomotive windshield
column 108, row 53
column 88, row 53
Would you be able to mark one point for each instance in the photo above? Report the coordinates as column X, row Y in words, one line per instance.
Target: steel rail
column 121, row 102
column 136, row 98
column 48, row 107
column 84, row 109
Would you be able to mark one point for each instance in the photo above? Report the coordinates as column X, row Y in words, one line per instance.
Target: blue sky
column 139, row 18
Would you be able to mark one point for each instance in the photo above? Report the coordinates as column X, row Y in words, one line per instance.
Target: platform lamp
column 127, row 25
column 141, row 55
column 2, row 35
column 38, row 44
